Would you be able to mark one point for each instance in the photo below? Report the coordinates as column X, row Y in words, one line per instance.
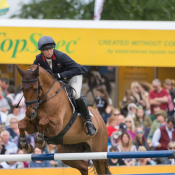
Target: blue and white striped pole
column 91, row 155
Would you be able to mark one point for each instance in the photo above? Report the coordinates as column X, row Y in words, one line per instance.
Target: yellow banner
column 112, row 47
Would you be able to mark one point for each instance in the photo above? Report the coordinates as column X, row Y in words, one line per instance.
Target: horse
column 48, row 111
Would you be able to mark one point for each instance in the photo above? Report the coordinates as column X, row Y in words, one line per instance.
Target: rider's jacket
column 62, row 64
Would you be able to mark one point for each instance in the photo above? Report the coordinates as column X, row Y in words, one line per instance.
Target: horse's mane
column 34, row 66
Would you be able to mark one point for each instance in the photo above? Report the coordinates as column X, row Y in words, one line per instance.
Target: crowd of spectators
column 143, row 122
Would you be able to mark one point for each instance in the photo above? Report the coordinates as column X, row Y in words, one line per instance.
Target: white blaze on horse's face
column 30, row 90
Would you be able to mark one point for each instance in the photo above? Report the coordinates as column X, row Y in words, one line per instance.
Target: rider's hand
column 57, row 76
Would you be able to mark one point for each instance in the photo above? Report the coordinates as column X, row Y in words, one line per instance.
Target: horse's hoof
column 29, row 150
column 41, row 146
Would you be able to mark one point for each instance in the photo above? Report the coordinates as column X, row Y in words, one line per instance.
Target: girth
column 58, row 139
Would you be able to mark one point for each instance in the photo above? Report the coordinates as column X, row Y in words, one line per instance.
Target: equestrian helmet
column 46, row 42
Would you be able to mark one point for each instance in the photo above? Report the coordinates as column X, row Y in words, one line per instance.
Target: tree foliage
column 163, row 10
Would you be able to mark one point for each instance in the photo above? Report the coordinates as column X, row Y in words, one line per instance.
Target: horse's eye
column 35, row 90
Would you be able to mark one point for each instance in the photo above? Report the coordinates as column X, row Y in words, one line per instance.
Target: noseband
column 38, row 101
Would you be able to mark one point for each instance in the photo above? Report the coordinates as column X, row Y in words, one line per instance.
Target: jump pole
column 90, row 155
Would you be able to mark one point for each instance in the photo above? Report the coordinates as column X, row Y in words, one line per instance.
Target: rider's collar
column 44, row 59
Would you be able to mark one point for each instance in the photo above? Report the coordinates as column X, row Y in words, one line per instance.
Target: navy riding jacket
column 62, row 64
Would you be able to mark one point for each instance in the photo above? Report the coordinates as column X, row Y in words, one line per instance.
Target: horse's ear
column 21, row 72
column 36, row 71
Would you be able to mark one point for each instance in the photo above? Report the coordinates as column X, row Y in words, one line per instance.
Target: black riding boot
column 85, row 114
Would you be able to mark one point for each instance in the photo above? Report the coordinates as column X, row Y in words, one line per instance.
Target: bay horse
column 48, row 110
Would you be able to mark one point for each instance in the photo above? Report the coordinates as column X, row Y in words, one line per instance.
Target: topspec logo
column 16, row 46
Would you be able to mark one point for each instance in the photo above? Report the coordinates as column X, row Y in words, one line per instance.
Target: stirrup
column 90, row 122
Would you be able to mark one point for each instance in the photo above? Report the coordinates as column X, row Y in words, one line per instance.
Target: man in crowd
column 4, row 86
column 164, row 135
column 158, row 97
column 9, row 146
column 161, row 117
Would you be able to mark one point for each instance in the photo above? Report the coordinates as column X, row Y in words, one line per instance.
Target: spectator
column 126, row 145
column 9, row 146
column 23, row 164
column 171, row 95
column 115, row 113
column 120, row 119
column 41, row 164
column 171, row 146
column 4, row 86
column 102, row 102
column 115, row 162
column 130, row 127
column 2, row 128
column 51, row 149
column 116, row 135
column 128, row 99
column 160, row 121
column 4, row 108
column 163, row 135
column 29, row 139
column 9, row 165
column 10, row 96
column 111, row 127
column 2, row 147
column 22, row 102
column 16, row 114
column 156, row 109
column 144, row 161
column 141, row 119
column 140, row 99
column 13, row 129
column 159, row 96
column 132, row 110
column 139, row 139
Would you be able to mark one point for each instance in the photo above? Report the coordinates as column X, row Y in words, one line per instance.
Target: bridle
column 38, row 100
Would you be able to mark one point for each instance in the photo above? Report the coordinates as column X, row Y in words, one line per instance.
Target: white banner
column 98, row 7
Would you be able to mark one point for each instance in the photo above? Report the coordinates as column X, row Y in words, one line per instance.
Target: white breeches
column 76, row 83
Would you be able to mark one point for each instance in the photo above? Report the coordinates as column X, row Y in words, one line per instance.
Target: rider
column 64, row 68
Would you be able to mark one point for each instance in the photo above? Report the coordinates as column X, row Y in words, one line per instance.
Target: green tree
column 113, row 10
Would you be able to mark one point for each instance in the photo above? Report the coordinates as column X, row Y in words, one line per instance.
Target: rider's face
column 48, row 52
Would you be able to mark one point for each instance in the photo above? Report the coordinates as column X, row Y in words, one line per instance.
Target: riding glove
column 57, row 76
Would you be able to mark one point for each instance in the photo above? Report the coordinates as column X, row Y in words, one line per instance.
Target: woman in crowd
column 130, row 127
column 103, row 103
column 144, row 161
column 132, row 110
column 23, row 164
column 128, row 99
column 40, row 164
column 139, row 139
column 13, row 129
column 115, row 112
column 139, row 96
column 51, row 149
column 16, row 114
column 115, row 162
column 2, row 147
column 171, row 146
column 142, row 120
column 126, row 145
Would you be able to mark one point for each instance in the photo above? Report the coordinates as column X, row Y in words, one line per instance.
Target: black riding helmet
column 46, row 42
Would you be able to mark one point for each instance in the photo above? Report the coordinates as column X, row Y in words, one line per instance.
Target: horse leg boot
column 27, row 148
column 40, row 142
column 85, row 114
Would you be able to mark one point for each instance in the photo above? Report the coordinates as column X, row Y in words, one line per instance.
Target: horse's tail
column 107, row 171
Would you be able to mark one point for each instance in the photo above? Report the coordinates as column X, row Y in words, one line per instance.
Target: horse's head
column 31, row 89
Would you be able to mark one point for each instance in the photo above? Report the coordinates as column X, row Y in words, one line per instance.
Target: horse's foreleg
column 43, row 123
column 23, row 125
